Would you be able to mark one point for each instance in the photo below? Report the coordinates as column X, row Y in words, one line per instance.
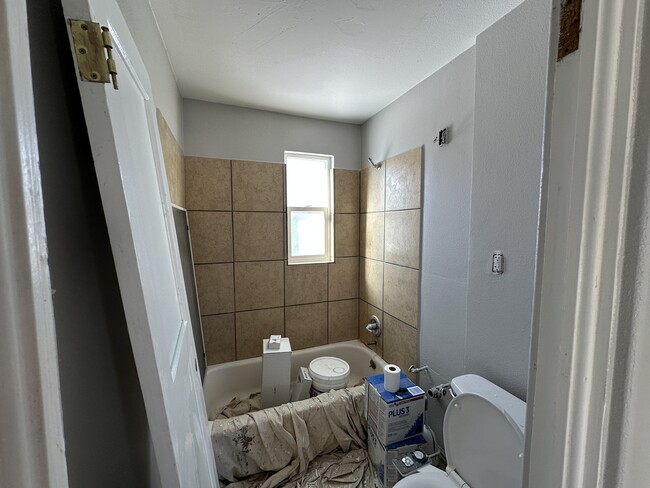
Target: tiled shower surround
column 237, row 216
column 389, row 268
column 246, row 291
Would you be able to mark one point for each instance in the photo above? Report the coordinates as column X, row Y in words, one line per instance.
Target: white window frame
column 328, row 256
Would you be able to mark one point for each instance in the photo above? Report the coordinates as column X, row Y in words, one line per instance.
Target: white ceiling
column 330, row 59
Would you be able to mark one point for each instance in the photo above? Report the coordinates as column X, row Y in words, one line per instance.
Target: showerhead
column 375, row 165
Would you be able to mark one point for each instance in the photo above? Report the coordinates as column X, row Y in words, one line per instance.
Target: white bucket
column 328, row 373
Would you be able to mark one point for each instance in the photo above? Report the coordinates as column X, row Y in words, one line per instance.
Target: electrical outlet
column 497, row 262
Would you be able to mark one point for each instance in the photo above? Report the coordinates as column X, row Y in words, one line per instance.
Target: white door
column 128, row 160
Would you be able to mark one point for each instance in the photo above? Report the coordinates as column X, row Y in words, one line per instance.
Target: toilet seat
column 484, row 443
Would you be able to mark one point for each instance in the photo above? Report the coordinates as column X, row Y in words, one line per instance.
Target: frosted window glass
column 308, row 233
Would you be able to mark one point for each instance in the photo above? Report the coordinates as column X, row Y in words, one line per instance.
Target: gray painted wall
column 144, row 29
column 215, row 130
column 511, row 74
column 105, row 425
column 445, row 99
column 480, row 194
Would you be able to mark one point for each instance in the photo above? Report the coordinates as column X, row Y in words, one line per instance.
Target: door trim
column 32, row 446
column 576, row 332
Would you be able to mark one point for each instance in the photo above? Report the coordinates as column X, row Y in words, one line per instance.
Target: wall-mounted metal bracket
column 443, row 137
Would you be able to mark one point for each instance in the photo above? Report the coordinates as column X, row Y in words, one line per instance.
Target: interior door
column 128, row 159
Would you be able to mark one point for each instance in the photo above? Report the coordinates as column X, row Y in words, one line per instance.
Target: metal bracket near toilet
column 374, row 326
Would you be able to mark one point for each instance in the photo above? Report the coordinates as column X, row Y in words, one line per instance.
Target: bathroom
column 424, row 273
column 467, row 319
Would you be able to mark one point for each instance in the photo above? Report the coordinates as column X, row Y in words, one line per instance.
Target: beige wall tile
column 403, row 238
column 174, row 163
column 343, row 317
column 254, row 326
column 259, row 285
column 306, row 325
column 371, row 189
column 259, row 236
column 400, row 344
column 365, row 312
column 346, row 191
column 343, row 279
column 215, row 286
column 346, row 235
column 219, row 336
column 371, row 281
column 401, row 293
column 305, row 283
column 404, row 180
column 371, row 235
column 211, row 234
column 207, row 184
column 258, row 186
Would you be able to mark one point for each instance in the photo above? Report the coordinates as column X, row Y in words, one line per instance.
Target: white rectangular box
column 276, row 373
column 394, row 416
column 382, row 456
column 302, row 385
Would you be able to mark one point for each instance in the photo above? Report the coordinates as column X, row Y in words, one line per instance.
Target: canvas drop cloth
column 317, row 442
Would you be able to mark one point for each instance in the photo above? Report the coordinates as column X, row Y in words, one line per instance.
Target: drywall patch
column 569, row 28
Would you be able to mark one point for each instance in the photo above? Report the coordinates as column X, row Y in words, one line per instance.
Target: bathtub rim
column 256, row 362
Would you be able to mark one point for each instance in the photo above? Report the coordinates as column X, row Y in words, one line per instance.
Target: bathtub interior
column 223, row 382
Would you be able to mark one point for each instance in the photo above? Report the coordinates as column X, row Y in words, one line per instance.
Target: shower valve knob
column 374, row 326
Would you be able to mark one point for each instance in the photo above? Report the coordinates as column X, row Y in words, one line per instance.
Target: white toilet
column 484, row 439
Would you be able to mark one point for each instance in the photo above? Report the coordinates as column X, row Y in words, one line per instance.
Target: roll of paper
column 392, row 378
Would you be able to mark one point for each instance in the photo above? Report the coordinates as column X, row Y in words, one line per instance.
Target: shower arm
column 375, row 165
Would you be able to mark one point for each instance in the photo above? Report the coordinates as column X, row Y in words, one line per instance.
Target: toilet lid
column 484, row 444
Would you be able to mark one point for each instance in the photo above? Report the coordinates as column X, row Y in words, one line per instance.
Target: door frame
column 580, row 345
column 614, row 36
column 32, row 445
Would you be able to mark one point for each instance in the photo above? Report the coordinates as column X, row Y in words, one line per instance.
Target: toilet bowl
column 484, row 439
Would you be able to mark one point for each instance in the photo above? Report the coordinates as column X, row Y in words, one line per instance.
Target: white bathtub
column 225, row 381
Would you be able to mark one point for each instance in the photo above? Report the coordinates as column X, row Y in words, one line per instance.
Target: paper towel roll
column 392, row 378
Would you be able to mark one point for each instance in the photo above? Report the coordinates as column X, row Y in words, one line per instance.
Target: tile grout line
column 396, row 210
column 402, row 321
column 234, row 280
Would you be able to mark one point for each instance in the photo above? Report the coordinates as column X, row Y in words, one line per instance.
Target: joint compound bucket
column 328, row 373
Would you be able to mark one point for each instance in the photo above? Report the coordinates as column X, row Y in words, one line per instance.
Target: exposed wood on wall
column 569, row 28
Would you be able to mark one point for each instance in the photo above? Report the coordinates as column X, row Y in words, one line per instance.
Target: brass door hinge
column 93, row 47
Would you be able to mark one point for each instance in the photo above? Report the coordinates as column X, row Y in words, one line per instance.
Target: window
column 310, row 207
